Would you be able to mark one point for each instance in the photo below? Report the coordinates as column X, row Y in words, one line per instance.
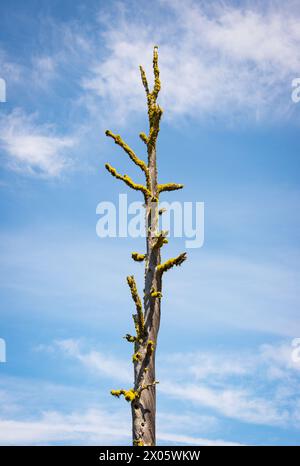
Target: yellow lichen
column 144, row 80
column 157, row 84
column 160, row 239
column 148, row 385
column 129, row 395
column 155, row 113
column 154, row 110
column 128, row 181
column 144, row 138
column 130, row 338
column 171, row 262
column 169, row 187
column 139, row 317
column 138, row 257
column 156, row 294
column 150, row 346
column 136, row 357
column 138, row 443
column 116, row 393
column 140, row 163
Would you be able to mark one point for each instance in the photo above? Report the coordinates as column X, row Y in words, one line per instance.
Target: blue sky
column 230, row 133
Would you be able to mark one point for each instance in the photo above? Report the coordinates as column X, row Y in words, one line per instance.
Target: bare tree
column 147, row 318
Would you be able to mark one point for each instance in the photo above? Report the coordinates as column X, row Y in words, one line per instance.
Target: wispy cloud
column 217, row 60
column 214, row 59
column 92, row 427
column 31, row 147
column 238, row 404
column 227, row 383
column 25, row 418
column 10, row 70
column 95, row 361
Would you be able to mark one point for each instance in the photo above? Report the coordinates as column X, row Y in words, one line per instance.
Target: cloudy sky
column 230, row 133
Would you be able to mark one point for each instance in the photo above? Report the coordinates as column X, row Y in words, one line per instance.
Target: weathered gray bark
column 143, row 410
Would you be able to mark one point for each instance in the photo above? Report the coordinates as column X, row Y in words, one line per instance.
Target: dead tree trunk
column 143, row 394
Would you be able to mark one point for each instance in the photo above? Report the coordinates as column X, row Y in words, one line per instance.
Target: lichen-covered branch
column 130, row 338
column 131, row 394
column 128, row 181
column 156, row 114
column 139, row 317
column 138, row 257
column 154, row 110
column 144, row 80
column 140, row 163
column 148, row 385
column 171, row 262
column 169, row 187
column 160, row 239
column 156, row 294
column 157, row 84
column 144, row 138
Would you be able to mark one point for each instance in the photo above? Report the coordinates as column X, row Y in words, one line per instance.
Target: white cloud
column 96, row 361
column 92, row 427
column 213, row 60
column 279, row 361
column 190, row 440
column 238, row 404
column 259, row 387
column 25, row 418
column 223, row 382
column 44, row 70
column 33, row 148
column 11, row 71
column 245, row 393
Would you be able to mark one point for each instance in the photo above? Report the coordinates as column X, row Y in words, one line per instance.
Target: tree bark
column 144, row 409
